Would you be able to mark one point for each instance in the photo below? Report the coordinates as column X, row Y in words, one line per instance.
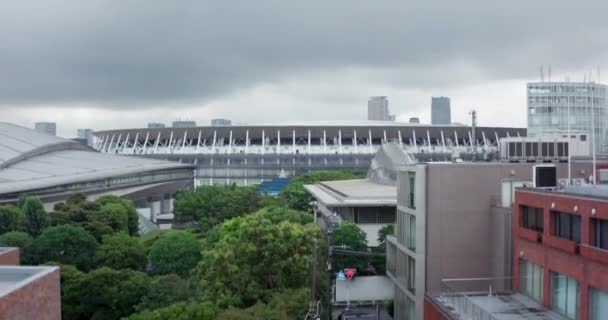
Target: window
column 598, row 304
column 567, row 226
column 601, row 233
column 564, row 295
column 532, row 218
column 411, row 232
column 583, row 137
column 412, row 191
column 411, row 275
column 531, row 280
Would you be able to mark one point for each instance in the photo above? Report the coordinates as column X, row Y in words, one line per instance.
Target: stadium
column 250, row 154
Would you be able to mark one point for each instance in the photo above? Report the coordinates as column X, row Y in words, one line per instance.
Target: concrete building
column 370, row 203
column 53, row 169
column 49, row 128
column 552, row 105
column 441, row 112
column 250, row 154
column 377, row 109
column 28, row 292
column 220, row 122
column 453, row 223
column 155, row 125
column 183, row 124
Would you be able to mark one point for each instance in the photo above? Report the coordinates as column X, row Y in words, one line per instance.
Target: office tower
column 551, row 104
column 85, row 134
column 220, row 122
column 440, row 110
column 183, row 124
column 49, row 128
column 152, row 125
column 377, row 109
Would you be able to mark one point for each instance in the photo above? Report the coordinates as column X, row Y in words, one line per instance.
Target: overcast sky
column 117, row 64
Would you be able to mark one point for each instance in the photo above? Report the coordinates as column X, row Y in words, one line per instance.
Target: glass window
column 411, row 278
column 531, row 280
column 598, row 304
column 412, row 191
column 411, row 232
column 601, row 233
column 567, row 226
column 532, row 218
column 564, row 295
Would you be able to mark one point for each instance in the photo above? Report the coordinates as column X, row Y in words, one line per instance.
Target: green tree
column 21, row 240
column 167, row 290
column 175, row 252
column 11, row 218
column 34, row 217
column 179, row 311
column 284, row 305
column 252, row 256
column 298, row 198
column 211, row 205
column 132, row 215
column 65, row 244
column 18, row 239
column 387, row 230
column 353, row 239
column 111, row 294
column 71, row 287
column 119, row 251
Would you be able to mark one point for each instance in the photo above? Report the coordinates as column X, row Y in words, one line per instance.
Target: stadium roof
column 30, row 161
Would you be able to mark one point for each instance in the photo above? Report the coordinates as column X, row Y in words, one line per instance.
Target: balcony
column 487, row 299
column 594, row 253
column 562, row 244
column 530, row 234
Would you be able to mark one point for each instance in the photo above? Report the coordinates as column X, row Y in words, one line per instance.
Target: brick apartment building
column 28, row 292
column 560, row 239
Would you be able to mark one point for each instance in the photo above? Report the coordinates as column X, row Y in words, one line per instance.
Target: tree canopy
column 253, row 256
column 34, row 216
column 120, row 251
column 167, row 290
column 175, row 252
column 11, row 218
column 211, row 205
column 354, row 239
column 298, row 198
column 179, row 311
column 65, row 244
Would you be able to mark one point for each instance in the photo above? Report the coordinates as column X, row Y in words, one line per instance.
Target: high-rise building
column 441, row 112
column 377, row 109
column 551, row 104
column 183, row 124
column 220, row 122
column 86, row 134
column 49, row 128
column 153, row 125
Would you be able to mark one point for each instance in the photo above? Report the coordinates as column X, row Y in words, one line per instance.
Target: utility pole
column 473, row 114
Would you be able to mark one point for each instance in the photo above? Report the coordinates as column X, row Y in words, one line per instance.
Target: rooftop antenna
column 549, row 73
column 569, row 142
column 542, row 75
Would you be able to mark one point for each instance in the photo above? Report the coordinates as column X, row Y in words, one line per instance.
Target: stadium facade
column 250, row 154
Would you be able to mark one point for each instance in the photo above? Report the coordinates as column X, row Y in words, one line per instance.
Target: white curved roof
column 30, row 160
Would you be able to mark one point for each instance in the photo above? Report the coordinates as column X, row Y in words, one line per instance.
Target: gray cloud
column 119, row 53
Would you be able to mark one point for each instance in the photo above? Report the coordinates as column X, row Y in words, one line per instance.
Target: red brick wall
column 432, row 311
column 40, row 300
column 10, row 258
column 585, row 264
